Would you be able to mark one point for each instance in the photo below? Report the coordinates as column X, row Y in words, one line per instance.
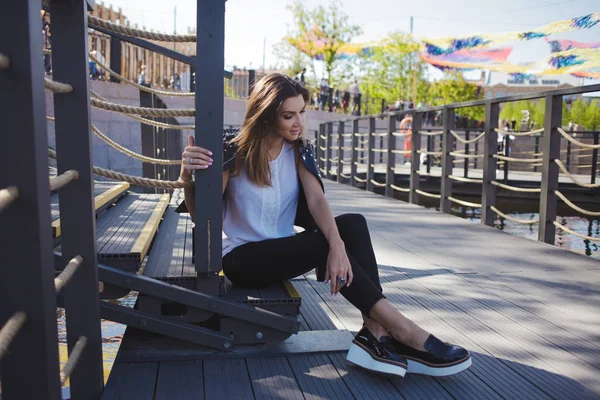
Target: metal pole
column 340, row 164
column 594, row 159
column 551, row 150
column 536, row 150
column 30, row 368
column 490, row 164
column 354, row 158
column 329, row 150
column 390, row 175
column 77, row 214
column 466, row 163
column 115, row 57
column 370, row 156
column 506, row 153
column 569, row 151
column 209, row 116
column 415, row 165
column 319, row 144
column 429, row 148
column 447, row 164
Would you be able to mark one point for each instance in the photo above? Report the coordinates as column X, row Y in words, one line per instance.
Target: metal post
column 30, row 367
column 536, row 150
column 319, row 144
column 466, row 163
column 490, row 148
column 447, row 164
column 370, row 156
column 569, row 151
column 148, row 136
column 115, row 57
column 415, row 165
column 329, row 150
column 476, row 153
column 594, row 159
column 209, row 116
column 251, row 81
column 551, row 150
column 340, row 164
column 506, row 153
column 77, row 215
column 330, row 99
column 390, row 166
column 429, row 148
column 354, row 158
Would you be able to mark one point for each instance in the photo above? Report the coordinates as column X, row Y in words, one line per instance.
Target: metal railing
column 333, row 138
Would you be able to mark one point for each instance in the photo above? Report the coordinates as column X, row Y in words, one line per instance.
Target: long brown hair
column 267, row 96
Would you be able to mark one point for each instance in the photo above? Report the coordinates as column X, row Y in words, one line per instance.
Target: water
column 112, row 335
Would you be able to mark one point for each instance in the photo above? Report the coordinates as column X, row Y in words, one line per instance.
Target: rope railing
column 323, row 148
column 460, row 139
column 57, row 182
column 530, row 133
column 57, row 87
column 572, row 178
column 346, row 134
column 400, row 189
column 461, row 179
column 361, row 134
column 430, row 153
column 363, row 141
column 575, row 141
column 401, row 151
column 574, row 206
column 515, row 188
column 357, row 179
column 523, row 160
column 400, row 134
column 4, row 62
column 426, row 194
column 579, row 235
column 345, row 175
column 74, row 357
column 7, row 196
column 379, row 150
column 94, row 21
column 378, row 134
column 10, row 330
column 134, row 180
column 434, row 133
column 463, row 155
column 141, row 87
column 323, row 159
column 374, row 182
column 66, row 274
column 345, row 162
column 464, row 203
column 144, row 111
column 516, row 220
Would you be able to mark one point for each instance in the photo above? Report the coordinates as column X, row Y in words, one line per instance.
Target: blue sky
column 249, row 22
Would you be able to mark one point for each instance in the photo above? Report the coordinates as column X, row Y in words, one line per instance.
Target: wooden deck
column 529, row 313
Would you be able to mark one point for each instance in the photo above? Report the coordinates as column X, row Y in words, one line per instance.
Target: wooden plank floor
column 529, row 313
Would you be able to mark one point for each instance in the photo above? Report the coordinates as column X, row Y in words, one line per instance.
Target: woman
column 271, row 182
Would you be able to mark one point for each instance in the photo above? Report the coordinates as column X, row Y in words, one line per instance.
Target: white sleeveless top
column 252, row 213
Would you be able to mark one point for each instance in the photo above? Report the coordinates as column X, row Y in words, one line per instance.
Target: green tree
column 454, row 88
column 321, row 32
column 291, row 60
column 593, row 115
column 579, row 112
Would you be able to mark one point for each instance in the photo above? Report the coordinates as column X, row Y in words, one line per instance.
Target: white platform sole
column 359, row 356
column 415, row 367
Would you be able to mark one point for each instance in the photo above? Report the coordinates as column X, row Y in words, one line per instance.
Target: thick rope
column 361, row 134
column 74, row 357
column 323, row 148
column 7, row 196
column 564, row 228
column 57, row 182
column 435, row 133
column 160, row 124
column 346, row 134
column 530, row 133
column 431, row 153
column 463, row 155
column 65, row 276
column 4, row 62
column 345, row 162
column 515, row 188
column 464, row 203
column 577, row 142
column 464, row 140
column 145, row 111
column 516, row 220
column 433, row 196
column 322, row 171
column 357, row 179
column 139, row 32
column 400, row 134
column 345, row 176
column 323, row 137
column 9, row 331
column 575, row 207
column 461, row 179
column 572, row 178
column 401, row 151
column 141, row 87
column 400, row 189
column 323, row 159
column 374, row 182
column 57, row 87
column 523, row 160
column 378, row 134
column 135, row 180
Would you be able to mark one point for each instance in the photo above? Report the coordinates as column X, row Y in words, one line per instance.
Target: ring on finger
column 342, row 281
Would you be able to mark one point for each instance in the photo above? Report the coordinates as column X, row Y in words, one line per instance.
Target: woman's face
column 290, row 118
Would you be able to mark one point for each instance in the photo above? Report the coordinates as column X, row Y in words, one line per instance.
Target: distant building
column 500, row 84
column 239, row 84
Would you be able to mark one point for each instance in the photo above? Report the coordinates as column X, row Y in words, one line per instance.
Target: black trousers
column 260, row 264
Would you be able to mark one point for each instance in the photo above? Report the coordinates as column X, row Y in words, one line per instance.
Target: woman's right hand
column 193, row 158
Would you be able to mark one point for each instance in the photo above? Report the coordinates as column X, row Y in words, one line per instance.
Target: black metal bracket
column 154, row 47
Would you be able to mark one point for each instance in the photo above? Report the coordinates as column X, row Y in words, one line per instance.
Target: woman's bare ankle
column 414, row 337
column 376, row 329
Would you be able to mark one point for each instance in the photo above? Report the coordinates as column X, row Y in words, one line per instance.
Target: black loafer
column 440, row 359
column 376, row 355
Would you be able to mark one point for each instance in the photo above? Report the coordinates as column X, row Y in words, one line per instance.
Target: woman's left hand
column 338, row 266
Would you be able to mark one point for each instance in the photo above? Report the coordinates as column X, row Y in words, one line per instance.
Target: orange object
column 406, row 127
